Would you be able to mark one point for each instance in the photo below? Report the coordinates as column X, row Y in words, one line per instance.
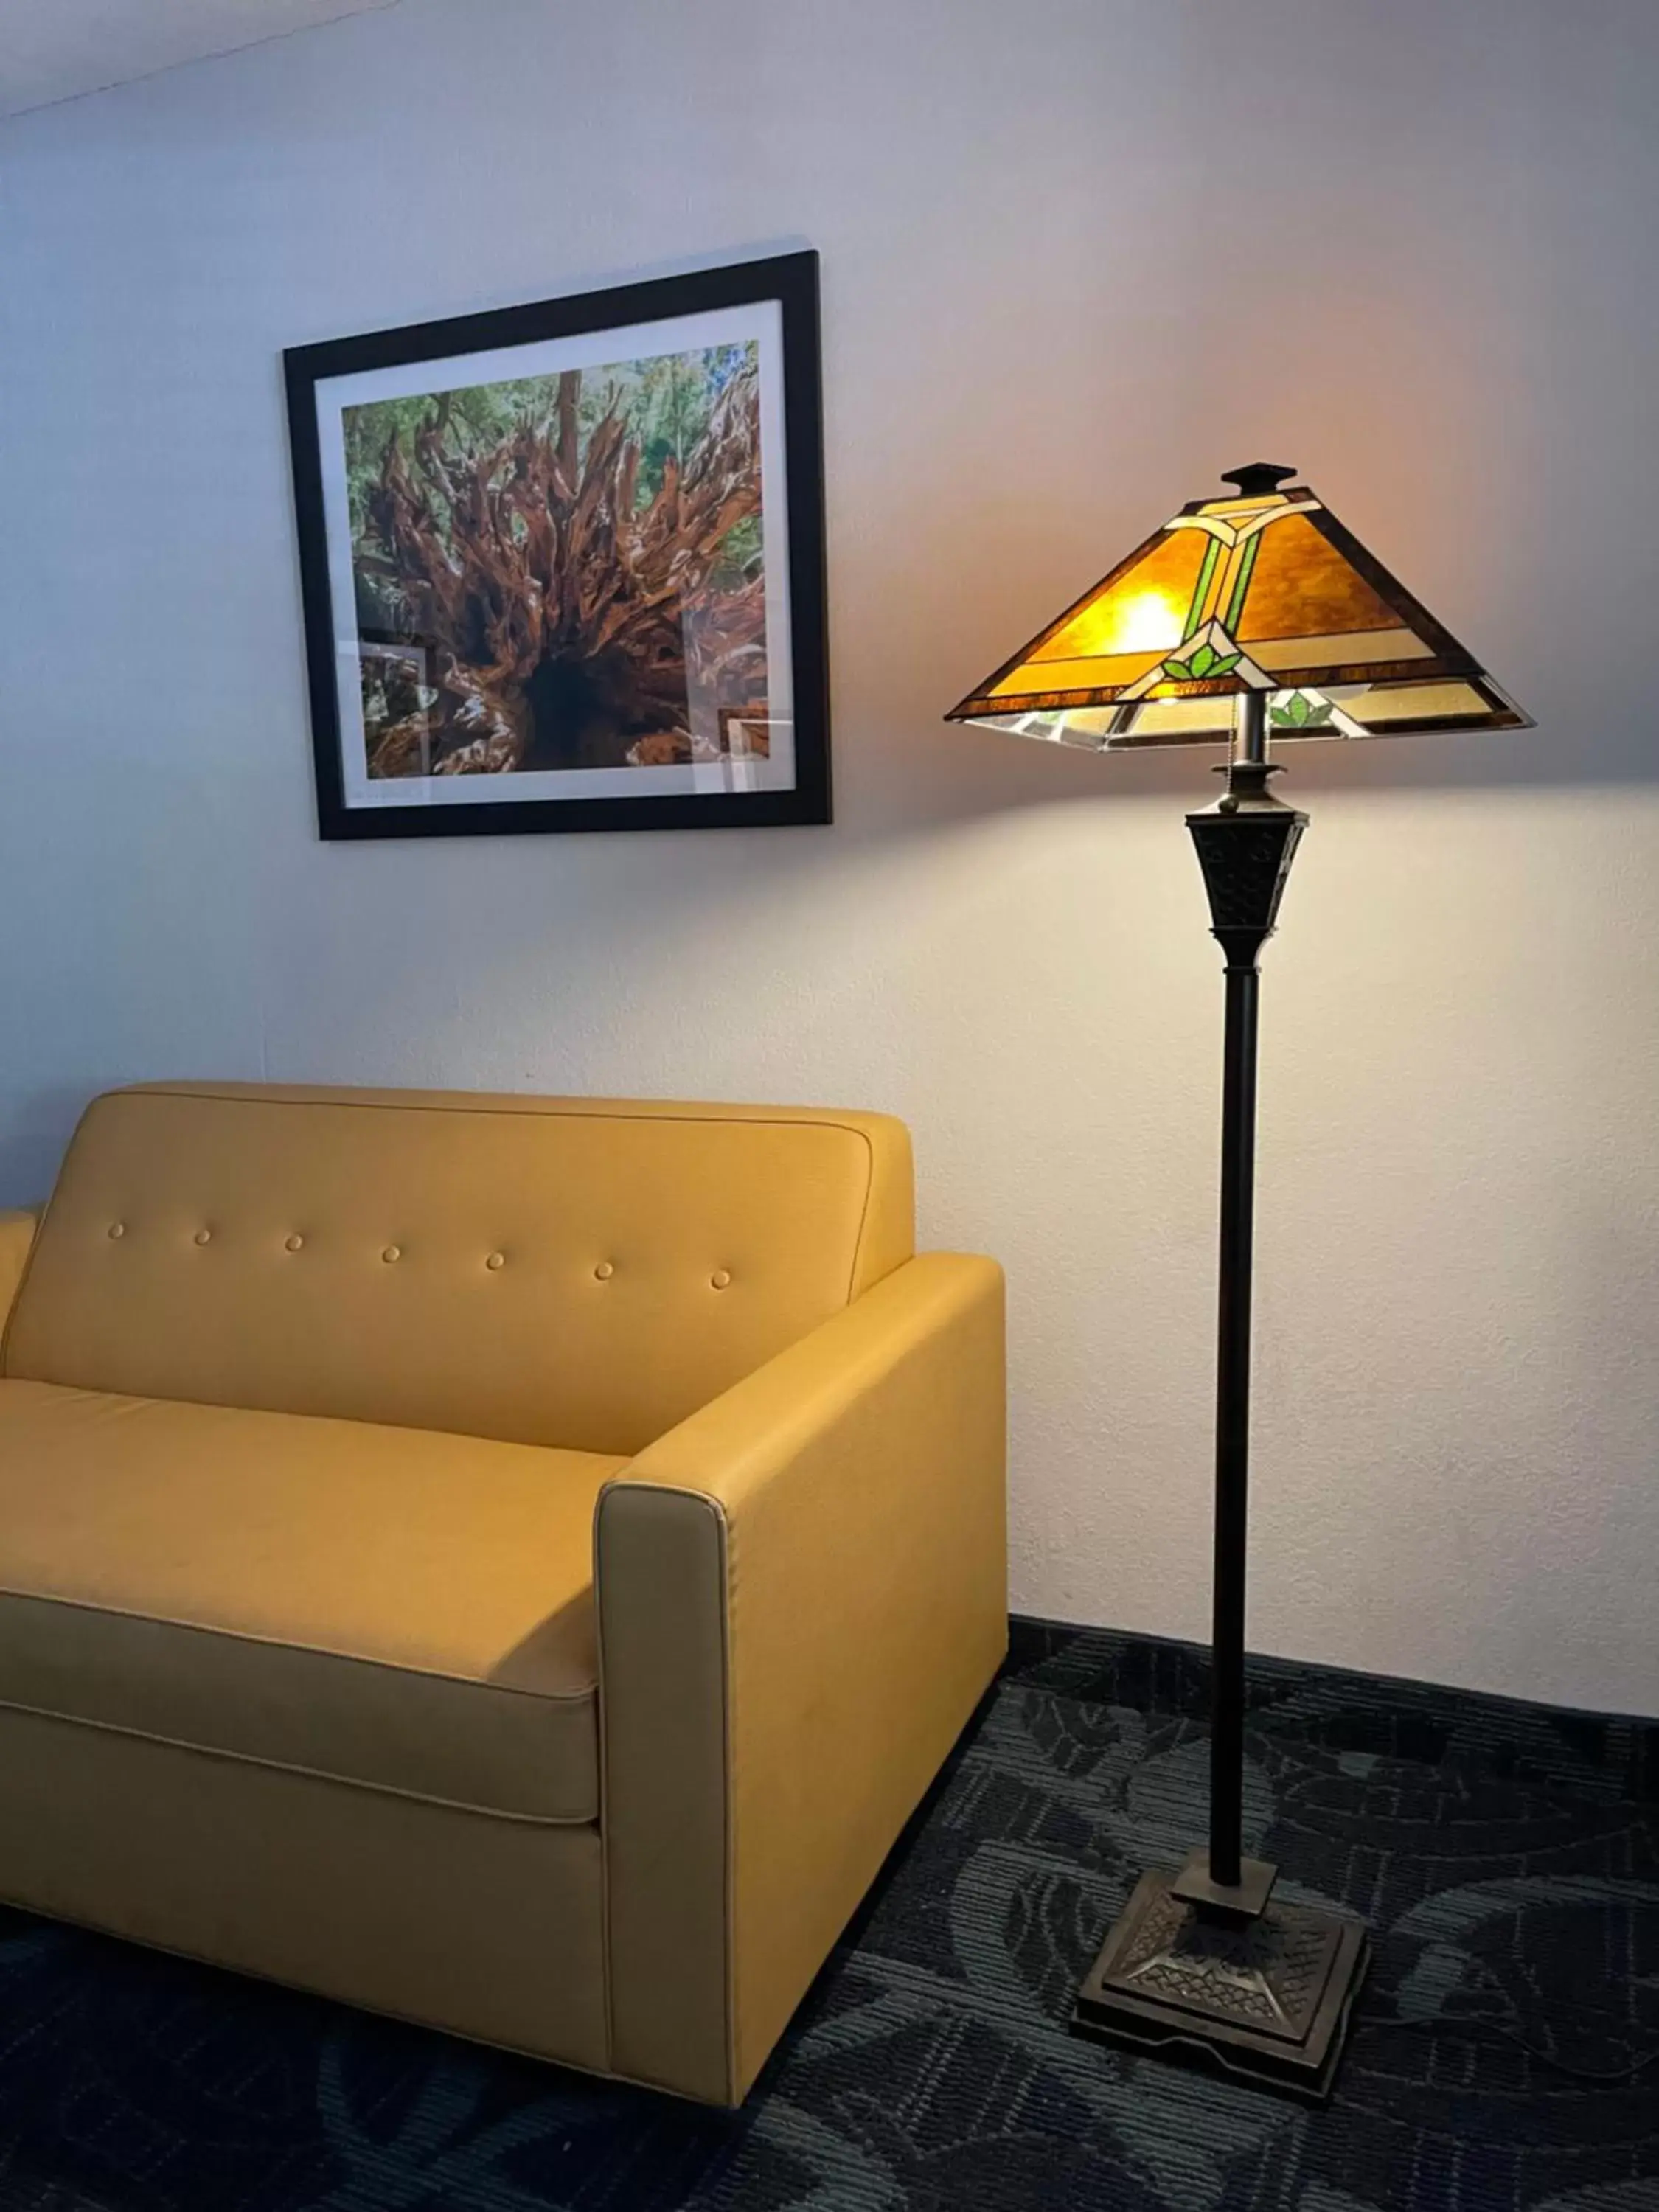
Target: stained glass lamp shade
column 1263, row 592
column 1250, row 619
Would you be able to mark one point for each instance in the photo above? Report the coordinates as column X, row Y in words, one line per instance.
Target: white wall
column 1079, row 256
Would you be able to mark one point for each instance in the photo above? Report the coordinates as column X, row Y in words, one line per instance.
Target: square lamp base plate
column 1264, row 1997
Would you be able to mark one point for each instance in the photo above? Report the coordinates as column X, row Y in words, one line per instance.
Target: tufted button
column 603, row 1271
column 204, row 1236
column 293, row 1243
column 720, row 1279
column 392, row 1252
column 117, row 1229
column 496, row 1260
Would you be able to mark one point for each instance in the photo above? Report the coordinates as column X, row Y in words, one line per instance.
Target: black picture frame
column 790, row 280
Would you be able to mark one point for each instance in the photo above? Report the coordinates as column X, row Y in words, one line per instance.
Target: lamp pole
column 1206, row 1964
column 1247, row 777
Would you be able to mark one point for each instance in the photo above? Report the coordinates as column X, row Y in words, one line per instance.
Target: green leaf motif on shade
column 1205, row 661
column 1303, row 712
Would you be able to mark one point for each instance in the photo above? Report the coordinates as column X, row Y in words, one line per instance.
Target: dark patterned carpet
column 1506, row 1858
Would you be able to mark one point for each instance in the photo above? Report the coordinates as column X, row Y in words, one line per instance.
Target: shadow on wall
column 901, row 774
column 33, row 1148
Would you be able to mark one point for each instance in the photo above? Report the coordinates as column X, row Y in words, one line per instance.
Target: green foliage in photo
column 665, row 401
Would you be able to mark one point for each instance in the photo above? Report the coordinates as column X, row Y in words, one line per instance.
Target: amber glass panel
column 1301, row 586
column 1108, row 673
column 1398, row 706
column 1179, row 721
column 1144, row 611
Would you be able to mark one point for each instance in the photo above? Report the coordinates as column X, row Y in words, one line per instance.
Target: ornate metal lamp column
column 1245, row 845
column 1207, row 1964
column 1251, row 610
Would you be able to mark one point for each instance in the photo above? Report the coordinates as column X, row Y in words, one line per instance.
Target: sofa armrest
column 802, row 1593
column 17, row 1227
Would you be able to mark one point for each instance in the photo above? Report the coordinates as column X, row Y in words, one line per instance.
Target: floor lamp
column 1245, row 618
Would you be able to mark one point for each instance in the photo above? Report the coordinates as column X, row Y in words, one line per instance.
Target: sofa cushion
column 575, row 1271
column 403, row 1609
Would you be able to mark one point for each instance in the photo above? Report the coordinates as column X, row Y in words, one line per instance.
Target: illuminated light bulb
column 1146, row 621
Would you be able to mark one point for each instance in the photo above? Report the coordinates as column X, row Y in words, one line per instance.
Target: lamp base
column 1263, row 1996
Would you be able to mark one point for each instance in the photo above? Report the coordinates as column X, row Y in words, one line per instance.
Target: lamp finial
column 1256, row 479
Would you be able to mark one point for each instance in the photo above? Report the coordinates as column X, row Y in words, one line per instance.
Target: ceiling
column 51, row 50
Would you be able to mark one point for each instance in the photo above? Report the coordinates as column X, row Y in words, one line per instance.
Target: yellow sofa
column 514, row 1563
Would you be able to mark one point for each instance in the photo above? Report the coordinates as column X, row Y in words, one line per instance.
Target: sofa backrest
column 575, row 1271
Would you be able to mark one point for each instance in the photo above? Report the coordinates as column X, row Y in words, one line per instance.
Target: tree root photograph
column 562, row 572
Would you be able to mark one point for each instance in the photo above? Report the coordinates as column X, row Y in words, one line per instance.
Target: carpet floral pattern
column 1506, row 1859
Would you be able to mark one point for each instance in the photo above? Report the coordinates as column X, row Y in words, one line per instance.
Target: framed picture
column 563, row 565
